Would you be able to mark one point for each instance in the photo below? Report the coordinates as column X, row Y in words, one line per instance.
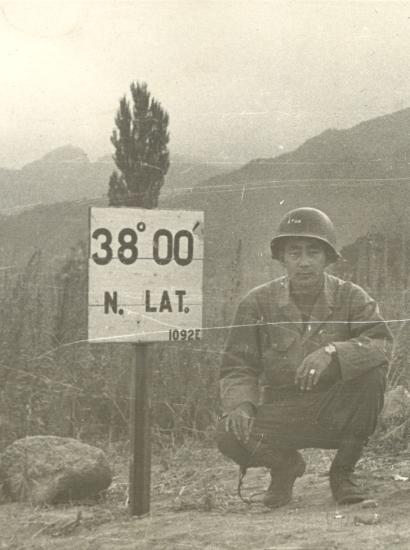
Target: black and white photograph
column 204, row 275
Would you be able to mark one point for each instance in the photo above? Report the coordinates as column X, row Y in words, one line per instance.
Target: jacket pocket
column 279, row 358
column 279, row 338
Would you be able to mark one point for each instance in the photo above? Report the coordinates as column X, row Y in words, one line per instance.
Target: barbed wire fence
column 52, row 381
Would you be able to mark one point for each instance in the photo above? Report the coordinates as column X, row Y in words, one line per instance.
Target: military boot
column 345, row 488
column 283, row 477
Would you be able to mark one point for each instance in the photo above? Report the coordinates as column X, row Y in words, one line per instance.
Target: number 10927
column 184, row 334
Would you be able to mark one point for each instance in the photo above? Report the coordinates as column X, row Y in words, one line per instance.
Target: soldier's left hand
column 311, row 369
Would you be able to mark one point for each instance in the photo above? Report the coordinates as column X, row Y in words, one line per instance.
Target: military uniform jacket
column 268, row 340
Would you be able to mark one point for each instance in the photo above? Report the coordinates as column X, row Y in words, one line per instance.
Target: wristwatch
column 330, row 349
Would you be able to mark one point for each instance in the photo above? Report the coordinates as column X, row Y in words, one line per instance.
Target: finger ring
column 312, row 371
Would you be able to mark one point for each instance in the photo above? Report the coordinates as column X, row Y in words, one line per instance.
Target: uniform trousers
column 327, row 417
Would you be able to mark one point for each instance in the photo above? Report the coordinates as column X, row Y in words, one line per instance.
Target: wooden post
column 140, row 436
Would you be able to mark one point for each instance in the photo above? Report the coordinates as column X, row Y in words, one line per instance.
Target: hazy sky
column 239, row 79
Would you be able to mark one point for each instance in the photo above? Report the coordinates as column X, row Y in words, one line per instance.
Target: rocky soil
column 194, row 506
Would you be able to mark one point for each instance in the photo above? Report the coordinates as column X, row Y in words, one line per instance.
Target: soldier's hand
column 240, row 421
column 311, row 369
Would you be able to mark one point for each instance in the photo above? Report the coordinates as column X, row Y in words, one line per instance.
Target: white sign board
column 145, row 275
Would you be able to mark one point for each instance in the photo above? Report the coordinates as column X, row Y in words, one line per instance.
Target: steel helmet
column 306, row 222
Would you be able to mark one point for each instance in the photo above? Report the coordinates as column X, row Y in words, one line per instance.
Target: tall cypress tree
column 141, row 153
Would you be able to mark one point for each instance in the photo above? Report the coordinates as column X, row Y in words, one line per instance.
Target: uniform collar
column 321, row 310
column 326, row 295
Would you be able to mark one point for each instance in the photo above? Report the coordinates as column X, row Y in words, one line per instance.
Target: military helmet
column 306, row 222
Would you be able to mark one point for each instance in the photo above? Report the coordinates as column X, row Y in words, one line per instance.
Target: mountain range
column 359, row 176
column 67, row 174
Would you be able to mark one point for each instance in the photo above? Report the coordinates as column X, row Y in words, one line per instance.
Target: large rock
column 48, row 470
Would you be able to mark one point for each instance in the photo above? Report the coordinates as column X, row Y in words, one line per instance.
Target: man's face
column 305, row 261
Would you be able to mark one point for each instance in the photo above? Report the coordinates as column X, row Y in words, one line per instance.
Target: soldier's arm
column 371, row 340
column 241, row 359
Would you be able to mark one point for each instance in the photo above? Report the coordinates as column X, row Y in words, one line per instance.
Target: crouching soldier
column 304, row 365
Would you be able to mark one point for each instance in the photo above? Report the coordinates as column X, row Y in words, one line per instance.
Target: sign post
column 140, row 435
column 144, row 285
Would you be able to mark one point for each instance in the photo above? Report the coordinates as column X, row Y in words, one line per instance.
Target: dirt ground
column 194, row 506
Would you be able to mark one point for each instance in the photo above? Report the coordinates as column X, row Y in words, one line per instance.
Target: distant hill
column 377, row 148
column 66, row 174
column 359, row 176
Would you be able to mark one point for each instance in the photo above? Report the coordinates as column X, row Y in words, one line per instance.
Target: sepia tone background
column 273, row 105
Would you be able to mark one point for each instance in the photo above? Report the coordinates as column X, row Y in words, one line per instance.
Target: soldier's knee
column 371, row 387
column 373, row 381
